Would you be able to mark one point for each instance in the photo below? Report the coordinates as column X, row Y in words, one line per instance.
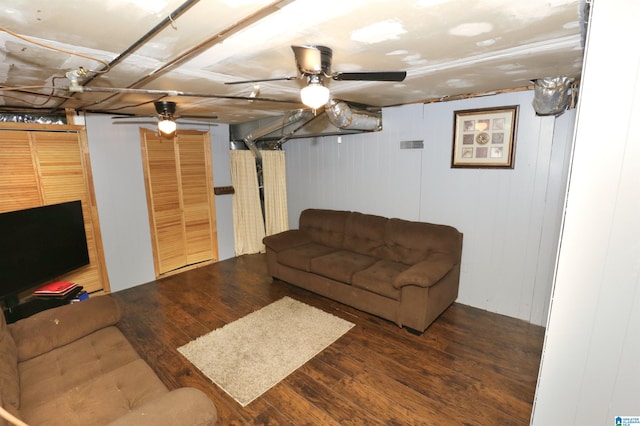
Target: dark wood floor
column 469, row 368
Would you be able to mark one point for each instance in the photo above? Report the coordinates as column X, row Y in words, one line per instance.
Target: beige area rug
column 249, row 356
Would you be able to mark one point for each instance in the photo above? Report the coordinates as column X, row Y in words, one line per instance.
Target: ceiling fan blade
column 131, row 116
column 195, row 122
column 197, row 117
column 180, row 120
column 137, row 118
column 154, row 122
column 261, row 80
column 313, row 59
column 370, row 76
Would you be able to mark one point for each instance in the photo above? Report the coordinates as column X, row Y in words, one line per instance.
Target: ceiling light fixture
column 314, row 95
column 167, row 126
column 167, row 123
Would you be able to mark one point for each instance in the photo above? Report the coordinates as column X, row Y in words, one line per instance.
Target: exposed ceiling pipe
column 216, row 38
column 294, row 117
column 141, row 41
column 342, row 116
column 213, row 40
column 118, row 90
column 282, row 140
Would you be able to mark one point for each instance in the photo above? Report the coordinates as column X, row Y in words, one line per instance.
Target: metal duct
column 553, row 95
column 249, row 139
column 340, row 119
column 343, row 117
column 11, row 117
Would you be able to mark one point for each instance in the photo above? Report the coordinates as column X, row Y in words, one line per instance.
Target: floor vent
column 411, row 144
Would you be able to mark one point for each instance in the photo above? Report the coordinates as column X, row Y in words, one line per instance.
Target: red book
column 58, row 288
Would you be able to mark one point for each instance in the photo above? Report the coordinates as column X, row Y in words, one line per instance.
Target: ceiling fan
column 166, row 114
column 314, row 64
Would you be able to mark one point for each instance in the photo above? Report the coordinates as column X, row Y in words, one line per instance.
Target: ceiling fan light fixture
column 167, row 126
column 165, row 108
column 314, row 95
column 166, row 111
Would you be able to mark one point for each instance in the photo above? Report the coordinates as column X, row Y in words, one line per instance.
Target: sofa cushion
column 286, row 240
column 300, row 257
column 364, row 233
column 341, row 265
column 411, row 242
column 106, row 397
column 325, row 227
column 72, row 365
column 9, row 378
column 92, row 378
column 52, row 328
column 379, row 278
column 11, row 410
column 178, row 407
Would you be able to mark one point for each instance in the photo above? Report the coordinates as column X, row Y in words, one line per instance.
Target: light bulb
column 314, row 95
column 167, row 127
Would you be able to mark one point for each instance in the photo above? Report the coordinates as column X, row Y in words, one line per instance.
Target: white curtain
column 274, row 175
column 248, row 225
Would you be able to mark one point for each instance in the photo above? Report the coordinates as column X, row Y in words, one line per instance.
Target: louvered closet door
column 179, row 195
column 60, row 161
column 48, row 167
column 163, row 197
column 196, row 182
column 18, row 176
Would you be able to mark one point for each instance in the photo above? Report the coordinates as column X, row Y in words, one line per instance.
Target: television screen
column 40, row 244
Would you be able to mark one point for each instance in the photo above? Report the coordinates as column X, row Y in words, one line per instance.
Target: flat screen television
column 38, row 245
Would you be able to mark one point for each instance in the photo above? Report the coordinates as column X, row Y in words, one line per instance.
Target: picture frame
column 484, row 138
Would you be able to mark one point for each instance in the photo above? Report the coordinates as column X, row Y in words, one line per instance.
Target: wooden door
column 45, row 167
column 196, row 183
column 179, row 183
column 19, row 181
column 163, row 199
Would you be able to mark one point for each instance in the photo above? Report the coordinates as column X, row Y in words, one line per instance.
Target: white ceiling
column 447, row 47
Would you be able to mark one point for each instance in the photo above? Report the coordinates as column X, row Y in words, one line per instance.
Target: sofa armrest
column 59, row 326
column 428, row 272
column 285, row 240
column 184, row 406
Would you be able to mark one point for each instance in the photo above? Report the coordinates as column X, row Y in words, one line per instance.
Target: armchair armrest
column 57, row 327
column 285, row 240
column 428, row 272
column 184, row 406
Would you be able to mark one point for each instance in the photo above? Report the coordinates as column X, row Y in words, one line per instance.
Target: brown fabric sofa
column 72, row 366
column 406, row 272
